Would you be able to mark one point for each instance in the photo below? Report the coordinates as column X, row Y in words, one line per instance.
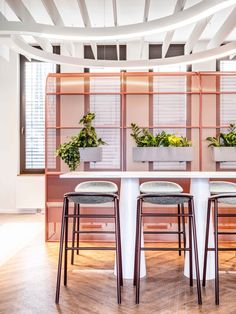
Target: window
column 228, row 100
column 107, row 122
column 170, row 109
column 33, row 79
column 107, row 108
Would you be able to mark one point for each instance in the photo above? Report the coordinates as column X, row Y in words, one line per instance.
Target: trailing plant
column 87, row 137
column 144, row 138
column 224, row 139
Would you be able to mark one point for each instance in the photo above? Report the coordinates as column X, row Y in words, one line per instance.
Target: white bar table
column 129, row 191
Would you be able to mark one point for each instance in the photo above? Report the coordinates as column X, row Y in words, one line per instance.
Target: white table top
column 149, row 174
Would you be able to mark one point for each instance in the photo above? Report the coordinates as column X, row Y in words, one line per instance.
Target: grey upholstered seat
column 222, row 187
column 162, row 187
column 99, row 187
column 161, row 199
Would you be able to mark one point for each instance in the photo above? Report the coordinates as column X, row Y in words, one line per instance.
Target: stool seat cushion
column 227, row 200
column 160, row 187
column 102, row 187
column 222, row 187
column 161, row 199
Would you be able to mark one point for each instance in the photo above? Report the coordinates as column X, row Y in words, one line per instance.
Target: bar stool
column 89, row 186
column 92, row 195
column 166, row 187
column 167, row 199
column 228, row 198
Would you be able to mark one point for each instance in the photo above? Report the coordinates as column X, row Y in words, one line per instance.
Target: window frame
column 23, row 60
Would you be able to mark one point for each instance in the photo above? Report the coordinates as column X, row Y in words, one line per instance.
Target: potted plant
column 160, row 147
column 224, row 145
column 83, row 146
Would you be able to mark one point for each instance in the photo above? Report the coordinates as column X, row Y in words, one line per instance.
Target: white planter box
column 90, row 154
column 222, row 154
column 162, row 154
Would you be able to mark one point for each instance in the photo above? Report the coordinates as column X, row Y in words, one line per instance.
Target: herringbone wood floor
column 27, row 283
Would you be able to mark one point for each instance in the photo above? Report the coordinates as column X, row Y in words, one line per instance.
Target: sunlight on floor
column 14, row 236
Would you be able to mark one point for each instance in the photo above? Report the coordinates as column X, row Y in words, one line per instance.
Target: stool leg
column 183, row 225
column 119, row 242
column 73, row 236
column 66, row 246
column 179, row 229
column 65, row 204
column 78, row 227
column 136, row 244
column 190, row 248
column 206, row 243
column 139, row 229
column 118, row 272
column 217, row 298
column 196, row 254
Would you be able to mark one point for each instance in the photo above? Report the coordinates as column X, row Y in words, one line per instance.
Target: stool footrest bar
column 223, row 249
column 90, row 216
column 162, row 232
column 95, row 232
column 165, row 215
column 90, row 248
column 163, row 249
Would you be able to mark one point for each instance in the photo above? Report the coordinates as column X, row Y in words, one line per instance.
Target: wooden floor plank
column 28, row 282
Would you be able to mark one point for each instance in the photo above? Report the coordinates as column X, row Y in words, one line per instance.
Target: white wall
column 16, row 192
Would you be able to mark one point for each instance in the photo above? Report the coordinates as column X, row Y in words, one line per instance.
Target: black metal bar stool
column 167, row 187
column 229, row 198
column 167, row 199
column 88, row 198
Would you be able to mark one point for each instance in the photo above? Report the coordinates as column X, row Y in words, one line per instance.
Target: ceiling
column 107, row 13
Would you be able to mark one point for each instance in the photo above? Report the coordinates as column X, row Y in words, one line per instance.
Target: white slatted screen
column 170, row 109
column 227, row 101
column 107, row 110
column 35, row 79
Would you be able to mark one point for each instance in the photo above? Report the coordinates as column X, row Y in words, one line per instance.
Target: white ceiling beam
column 118, row 51
column 179, row 6
column 84, row 13
column 145, row 19
column 202, row 56
column 227, row 27
column 146, row 10
column 24, row 15
column 196, row 34
column 114, row 5
column 87, row 23
column 94, row 50
column 53, row 12
column 2, row 18
column 56, row 18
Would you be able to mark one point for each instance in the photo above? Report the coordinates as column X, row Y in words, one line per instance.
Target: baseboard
column 22, row 211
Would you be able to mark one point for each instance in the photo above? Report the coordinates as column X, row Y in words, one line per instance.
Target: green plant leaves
column 224, row 139
column 144, row 138
column 87, row 137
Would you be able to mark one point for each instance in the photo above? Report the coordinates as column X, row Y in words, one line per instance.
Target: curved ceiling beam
column 22, row 47
column 177, row 20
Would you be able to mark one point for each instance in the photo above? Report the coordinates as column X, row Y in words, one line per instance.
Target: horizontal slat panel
column 35, row 79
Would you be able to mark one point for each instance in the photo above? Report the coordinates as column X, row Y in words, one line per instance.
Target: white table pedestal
column 129, row 191
column 200, row 189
